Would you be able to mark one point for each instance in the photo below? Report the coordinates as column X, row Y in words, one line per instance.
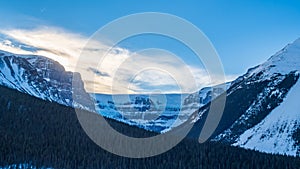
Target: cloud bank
column 120, row 71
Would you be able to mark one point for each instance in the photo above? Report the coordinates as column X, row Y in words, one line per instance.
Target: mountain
column 46, row 79
column 155, row 112
column 261, row 110
column 43, row 78
column 40, row 134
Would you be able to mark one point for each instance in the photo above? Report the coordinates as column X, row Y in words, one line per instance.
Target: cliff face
column 43, row 78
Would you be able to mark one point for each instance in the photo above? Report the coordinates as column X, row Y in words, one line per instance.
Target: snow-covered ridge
column 159, row 113
column 274, row 133
column 270, row 118
column 41, row 77
column 283, row 62
column 47, row 79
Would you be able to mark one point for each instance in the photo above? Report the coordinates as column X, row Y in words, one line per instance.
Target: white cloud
column 50, row 42
column 127, row 71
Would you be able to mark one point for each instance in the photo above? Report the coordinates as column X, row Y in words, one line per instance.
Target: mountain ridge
column 251, row 99
column 275, row 80
column 43, row 78
column 42, row 134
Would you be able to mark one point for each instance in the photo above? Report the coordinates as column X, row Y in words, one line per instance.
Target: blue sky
column 244, row 33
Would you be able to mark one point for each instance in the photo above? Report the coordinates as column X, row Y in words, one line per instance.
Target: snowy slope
column 274, row 133
column 43, row 78
column 283, row 62
column 263, row 105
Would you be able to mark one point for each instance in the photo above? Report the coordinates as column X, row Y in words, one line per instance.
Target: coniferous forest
column 45, row 134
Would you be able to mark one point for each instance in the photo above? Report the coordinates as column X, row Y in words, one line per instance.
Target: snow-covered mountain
column 156, row 112
column 47, row 79
column 261, row 110
column 43, row 78
column 277, row 132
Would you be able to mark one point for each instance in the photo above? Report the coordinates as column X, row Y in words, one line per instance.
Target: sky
column 244, row 33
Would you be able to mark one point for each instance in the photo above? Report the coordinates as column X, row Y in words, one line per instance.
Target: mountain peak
column 287, row 59
column 263, row 104
column 283, row 62
column 43, row 78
